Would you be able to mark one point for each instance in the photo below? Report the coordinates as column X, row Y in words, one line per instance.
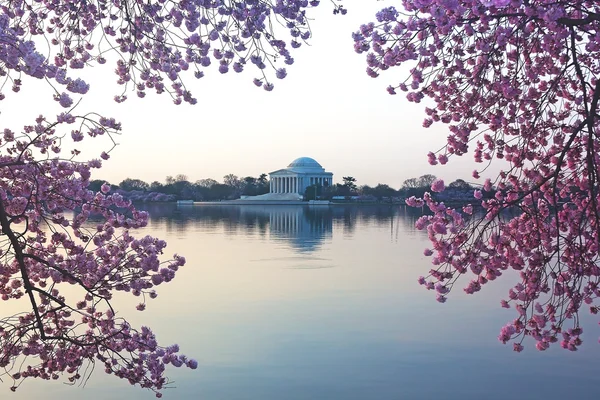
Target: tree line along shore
column 233, row 187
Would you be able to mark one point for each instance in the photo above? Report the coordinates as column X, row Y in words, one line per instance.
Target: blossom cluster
column 45, row 207
column 49, row 220
column 155, row 42
column 517, row 83
column 557, row 277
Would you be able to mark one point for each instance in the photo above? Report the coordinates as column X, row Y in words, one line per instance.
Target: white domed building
column 300, row 174
column 289, row 184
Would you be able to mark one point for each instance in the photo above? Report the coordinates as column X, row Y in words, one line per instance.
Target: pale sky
column 326, row 108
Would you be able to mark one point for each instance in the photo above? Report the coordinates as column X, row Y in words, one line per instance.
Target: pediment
column 280, row 171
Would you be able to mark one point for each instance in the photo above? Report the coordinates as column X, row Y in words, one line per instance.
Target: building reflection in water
column 304, row 228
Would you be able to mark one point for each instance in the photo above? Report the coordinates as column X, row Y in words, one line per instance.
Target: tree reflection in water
column 302, row 227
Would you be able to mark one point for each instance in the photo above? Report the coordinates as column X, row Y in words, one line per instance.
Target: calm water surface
column 291, row 302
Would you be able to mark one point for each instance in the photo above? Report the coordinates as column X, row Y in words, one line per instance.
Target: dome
column 305, row 162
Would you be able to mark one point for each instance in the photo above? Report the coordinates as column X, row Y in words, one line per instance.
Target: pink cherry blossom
column 438, row 185
column 517, row 84
column 156, row 44
column 62, row 335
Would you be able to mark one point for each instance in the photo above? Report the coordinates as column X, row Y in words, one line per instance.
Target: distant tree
column 156, row 186
column 133, row 184
column 187, row 192
column 262, row 184
column 96, row 184
column 169, row 180
column 181, row 178
column 327, row 192
column 382, row 191
column 170, row 189
column 183, row 188
column 255, row 186
column 263, row 179
column 426, row 180
column 338, row 189
column 312, row 192
column 412, row 187
column 233, row 181
column 411, row 183
column 249, row 186
column 201, row 193
column 365, row 190
column 222, row 192
column 350, row 183
column 208, row 182
column 459, row 184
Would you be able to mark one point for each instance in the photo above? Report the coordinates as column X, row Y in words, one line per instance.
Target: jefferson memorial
column 289, row 184
column 300, row 174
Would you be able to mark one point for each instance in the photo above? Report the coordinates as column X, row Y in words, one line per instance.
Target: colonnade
column 286, row 184
column 296, row 184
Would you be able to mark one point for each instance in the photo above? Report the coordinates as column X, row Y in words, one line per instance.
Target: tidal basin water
column 299, row 303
